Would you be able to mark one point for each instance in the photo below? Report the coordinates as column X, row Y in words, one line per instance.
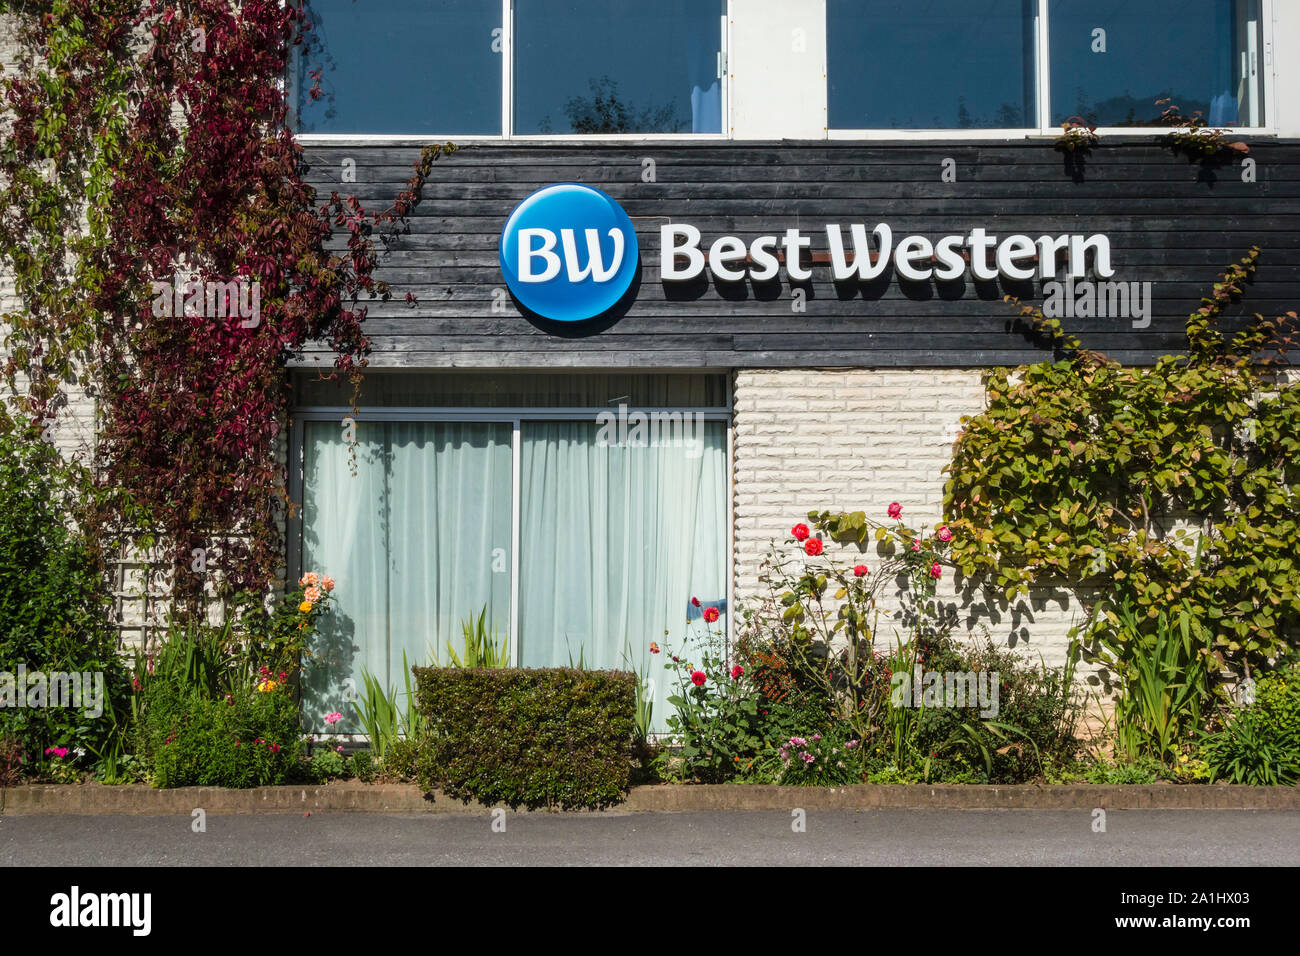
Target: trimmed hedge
column 533, row 737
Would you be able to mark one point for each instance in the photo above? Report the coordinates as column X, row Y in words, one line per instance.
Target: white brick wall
column 857, row 439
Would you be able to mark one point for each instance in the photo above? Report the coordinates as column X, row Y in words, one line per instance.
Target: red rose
column 936, row 571
column 710, row 614
column 698, row 678
column 895, row 510
column 737, row 671
column 859, row 570
column 813, row 546
column 800, row 532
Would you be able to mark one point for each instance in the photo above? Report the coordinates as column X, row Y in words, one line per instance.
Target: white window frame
column 1043, row 67
column 507, row 107
column 299, row 416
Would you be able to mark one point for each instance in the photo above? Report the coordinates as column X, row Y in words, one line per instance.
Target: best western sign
column 569, row 252
column 914, row 258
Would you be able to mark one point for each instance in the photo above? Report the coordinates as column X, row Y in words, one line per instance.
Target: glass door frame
column 515, row 417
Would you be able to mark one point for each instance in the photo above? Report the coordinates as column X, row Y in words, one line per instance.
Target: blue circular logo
column 568, row 252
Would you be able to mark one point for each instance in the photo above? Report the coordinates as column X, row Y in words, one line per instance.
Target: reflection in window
column 1111, row 60
column 401, row 66
column 944, row 64
column 617, row 66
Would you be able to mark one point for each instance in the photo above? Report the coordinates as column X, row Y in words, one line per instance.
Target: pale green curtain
column 417, row 539
column 615, row 541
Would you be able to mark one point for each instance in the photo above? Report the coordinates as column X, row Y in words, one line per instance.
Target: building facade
column 812, row 210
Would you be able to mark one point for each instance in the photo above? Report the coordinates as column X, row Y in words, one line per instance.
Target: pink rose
column 936, row 572
column 895, row 510
column 859, row 570
column 944, row 533
column 333, row 718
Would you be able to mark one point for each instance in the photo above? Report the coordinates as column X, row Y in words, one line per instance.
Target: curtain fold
column 417, row 540
column 615, row 541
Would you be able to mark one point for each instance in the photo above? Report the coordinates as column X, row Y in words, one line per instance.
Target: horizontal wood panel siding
column 1170, row 222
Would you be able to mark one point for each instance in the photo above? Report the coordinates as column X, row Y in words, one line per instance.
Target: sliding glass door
column 417, row 514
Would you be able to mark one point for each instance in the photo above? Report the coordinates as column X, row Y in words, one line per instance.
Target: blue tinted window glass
column 402, row 66
column 617, row 66
column 938, row 64
column 1112, row 59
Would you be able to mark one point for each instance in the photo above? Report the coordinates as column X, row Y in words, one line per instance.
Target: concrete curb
column 406, row 798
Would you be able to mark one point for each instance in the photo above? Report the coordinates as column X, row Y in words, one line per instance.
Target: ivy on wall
column 146, row 171
column 1146, row 485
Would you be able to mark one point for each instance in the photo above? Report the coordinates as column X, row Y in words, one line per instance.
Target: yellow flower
column 305, row 606
column 267, row 685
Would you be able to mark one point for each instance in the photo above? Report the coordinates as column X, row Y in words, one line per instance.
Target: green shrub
column 1259, row 743
column 724, row 727
column 554, row 737
column 362, row 766
column 11, row 762
column 399, row 762
column 54, row 606
column 189, row 739
column 1278, row 698
column 328, row 764
column 1033, row 728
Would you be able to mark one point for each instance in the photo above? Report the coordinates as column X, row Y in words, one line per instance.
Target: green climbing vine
column 1146, row 486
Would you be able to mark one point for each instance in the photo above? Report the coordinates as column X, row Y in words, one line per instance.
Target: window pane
column 417, row 535
column 617, row 66
column 616, row 539
column 401, row 66
column 1112, row 60
column 942, row 64
column 538, row 390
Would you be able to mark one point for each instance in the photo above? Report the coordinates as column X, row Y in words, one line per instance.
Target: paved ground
column 868, row 837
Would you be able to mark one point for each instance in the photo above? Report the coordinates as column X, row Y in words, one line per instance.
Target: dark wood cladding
column 1170, row 222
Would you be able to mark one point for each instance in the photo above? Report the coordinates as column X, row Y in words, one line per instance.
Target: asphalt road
column 715, row 838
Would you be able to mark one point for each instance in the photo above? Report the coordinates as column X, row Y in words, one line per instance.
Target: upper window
column 1111, row 61
column 946, row 64
column 980, row 64
column 553, row 67
column 401, row 66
